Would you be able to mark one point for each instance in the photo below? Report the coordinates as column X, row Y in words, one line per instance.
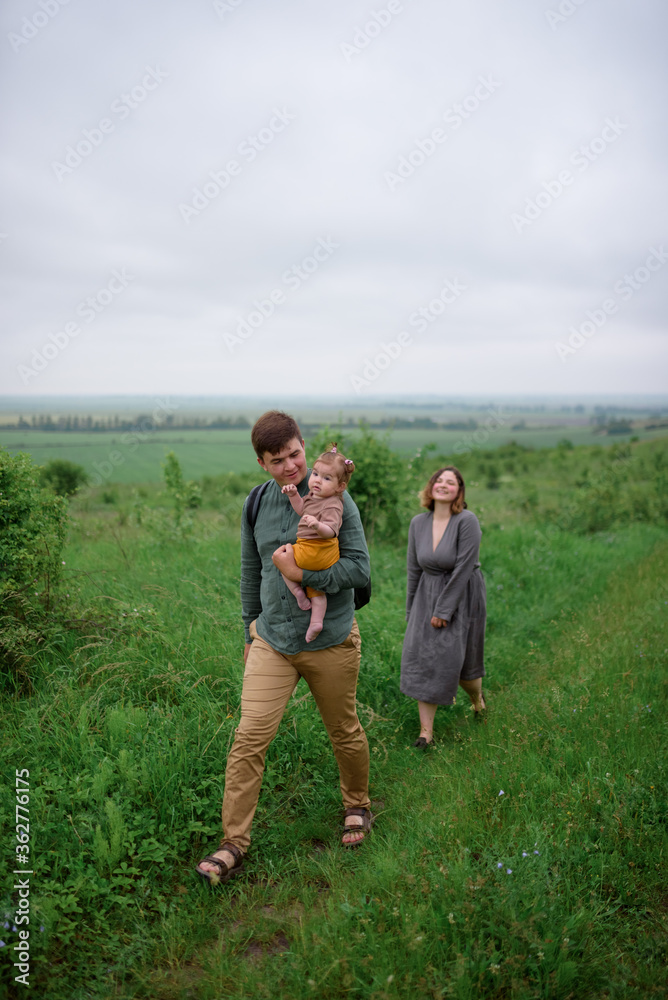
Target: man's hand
column 247, row 647
column 284, row 560
column 290, row 489
column 439, row 622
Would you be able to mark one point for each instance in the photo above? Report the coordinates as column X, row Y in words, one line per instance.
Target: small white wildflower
column 525, row 854
column 451, row 918
column 509, row 871
column 502, row 792
column 499, row 864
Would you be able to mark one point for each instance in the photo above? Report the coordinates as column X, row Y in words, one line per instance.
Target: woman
column 445, row 603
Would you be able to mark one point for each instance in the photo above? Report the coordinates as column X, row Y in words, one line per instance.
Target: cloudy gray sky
column 354, row 199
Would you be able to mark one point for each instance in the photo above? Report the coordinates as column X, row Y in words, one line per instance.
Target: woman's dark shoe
column 422, row 742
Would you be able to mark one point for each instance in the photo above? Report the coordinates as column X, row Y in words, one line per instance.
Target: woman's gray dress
column 448, row 584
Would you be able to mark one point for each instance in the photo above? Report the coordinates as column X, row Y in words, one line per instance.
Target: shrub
column 381, row 484
column 33, row 523
column 32, row 527
column 63, row 477
column 186, row 496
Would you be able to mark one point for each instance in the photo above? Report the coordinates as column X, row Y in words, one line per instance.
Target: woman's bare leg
column 427, row 713
column 474, row 691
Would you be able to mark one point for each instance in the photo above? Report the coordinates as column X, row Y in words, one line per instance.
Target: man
column 276, row 654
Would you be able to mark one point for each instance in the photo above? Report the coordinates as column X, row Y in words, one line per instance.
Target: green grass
column 126, row 719
column 127, row 458
column 119, row 458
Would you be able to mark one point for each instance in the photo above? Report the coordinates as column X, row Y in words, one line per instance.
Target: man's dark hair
column 273, row 431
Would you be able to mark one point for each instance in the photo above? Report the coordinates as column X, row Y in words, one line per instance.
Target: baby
column 321, row 513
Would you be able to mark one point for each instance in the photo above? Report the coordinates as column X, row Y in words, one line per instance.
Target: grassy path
column 521, row 858
column 524, row 857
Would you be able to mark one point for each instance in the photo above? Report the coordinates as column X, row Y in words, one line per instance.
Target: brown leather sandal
column 364, row 827
column 224, row 874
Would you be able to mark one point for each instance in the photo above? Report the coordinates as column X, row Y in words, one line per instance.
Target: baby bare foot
column 314, row 629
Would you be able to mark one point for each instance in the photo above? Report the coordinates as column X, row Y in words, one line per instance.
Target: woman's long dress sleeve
column 413, row 570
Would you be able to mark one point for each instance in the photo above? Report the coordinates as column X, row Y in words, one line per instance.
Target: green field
column 119, row 458
column 521, row 858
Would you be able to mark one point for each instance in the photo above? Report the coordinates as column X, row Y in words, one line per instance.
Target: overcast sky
column 352, row 198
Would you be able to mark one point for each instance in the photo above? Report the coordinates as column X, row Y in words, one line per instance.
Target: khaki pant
column 269, row 680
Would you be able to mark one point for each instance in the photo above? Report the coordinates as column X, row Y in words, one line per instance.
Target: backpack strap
column 253, row 503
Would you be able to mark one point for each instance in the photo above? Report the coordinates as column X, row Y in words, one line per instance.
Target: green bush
column 629, row 486
column 186, row 496
column 380, row 485
column 33, row 523
column 63, row 477
column 32, row 528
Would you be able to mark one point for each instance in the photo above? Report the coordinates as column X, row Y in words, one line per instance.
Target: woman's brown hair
column 458, row 504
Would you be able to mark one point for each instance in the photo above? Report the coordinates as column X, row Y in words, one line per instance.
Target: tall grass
column 519, row 858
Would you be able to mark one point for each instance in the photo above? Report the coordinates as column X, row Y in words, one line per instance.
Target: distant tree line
column 602, row 418
column 44, row 422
